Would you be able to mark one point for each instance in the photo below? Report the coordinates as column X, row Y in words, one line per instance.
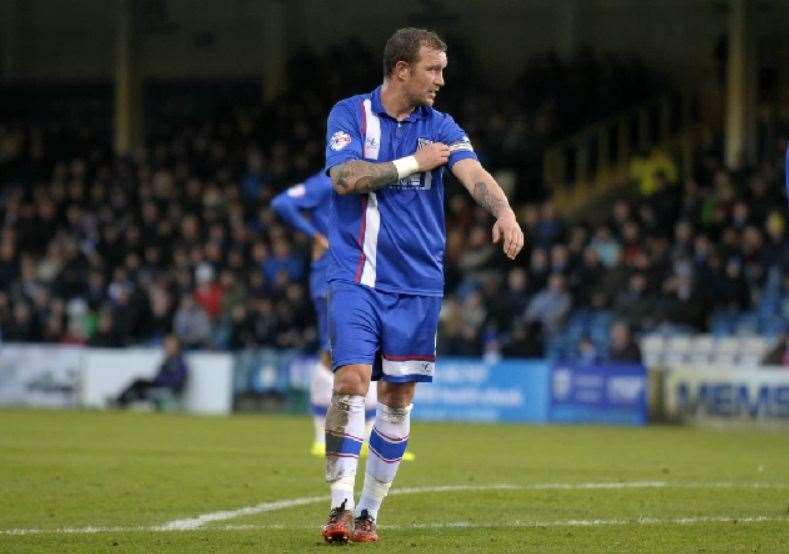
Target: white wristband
column 406, row 166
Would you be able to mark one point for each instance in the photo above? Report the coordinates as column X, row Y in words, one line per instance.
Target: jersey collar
column 375, row 103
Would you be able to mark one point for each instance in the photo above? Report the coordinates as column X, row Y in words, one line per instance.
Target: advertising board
column 604, row 393
column 726, row 394
column 472, row 390
column 39, row 375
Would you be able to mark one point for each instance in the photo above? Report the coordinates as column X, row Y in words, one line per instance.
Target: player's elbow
column 341, row 179
column 278, row 204
column 342, row 188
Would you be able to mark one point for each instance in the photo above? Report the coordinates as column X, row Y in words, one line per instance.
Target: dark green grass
column 132, row 471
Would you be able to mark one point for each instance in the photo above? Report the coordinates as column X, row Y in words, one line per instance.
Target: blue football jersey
column 306, row 207
column 392, row 239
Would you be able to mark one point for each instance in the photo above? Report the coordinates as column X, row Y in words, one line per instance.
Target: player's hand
column 508, row 231
column 320, row 244
column 432, row 156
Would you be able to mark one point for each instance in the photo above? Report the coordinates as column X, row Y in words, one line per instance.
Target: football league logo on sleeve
column 339, row 140
column 463, row 144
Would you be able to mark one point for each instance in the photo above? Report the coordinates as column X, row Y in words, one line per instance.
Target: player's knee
column 353, row 379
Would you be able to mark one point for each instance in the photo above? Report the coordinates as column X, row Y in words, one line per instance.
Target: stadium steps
column 589, row 168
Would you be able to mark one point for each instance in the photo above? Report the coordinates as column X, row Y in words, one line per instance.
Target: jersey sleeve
column 460, row 147
column 291, row 204
column 343, row 138
column 317, row 191
column 288, row 205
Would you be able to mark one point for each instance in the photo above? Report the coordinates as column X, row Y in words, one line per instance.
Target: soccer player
column 305, row 207
column 386, row 153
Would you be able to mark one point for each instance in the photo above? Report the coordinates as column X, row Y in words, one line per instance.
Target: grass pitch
column 91, row 481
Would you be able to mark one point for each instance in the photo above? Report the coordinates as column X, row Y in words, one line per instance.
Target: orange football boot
column 364, row 528
column 339, row 526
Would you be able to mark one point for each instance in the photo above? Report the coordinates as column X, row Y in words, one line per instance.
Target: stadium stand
column 113, row 252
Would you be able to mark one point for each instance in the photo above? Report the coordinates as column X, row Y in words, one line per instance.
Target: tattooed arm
column 357, row 176
column 487, row 193
column 482, row 187
column 361, row 177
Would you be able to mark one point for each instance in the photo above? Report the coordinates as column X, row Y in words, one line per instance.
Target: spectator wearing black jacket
column 172, row 376
column 623, row 348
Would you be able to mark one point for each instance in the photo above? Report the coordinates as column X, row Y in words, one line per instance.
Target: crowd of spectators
column 179, row 237
column 714, row 242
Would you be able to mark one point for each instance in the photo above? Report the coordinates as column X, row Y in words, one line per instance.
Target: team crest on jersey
column 339, row 140
column 371, row 143
column 417, row 181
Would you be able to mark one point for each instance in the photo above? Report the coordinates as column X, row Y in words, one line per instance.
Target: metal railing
column 596, row 159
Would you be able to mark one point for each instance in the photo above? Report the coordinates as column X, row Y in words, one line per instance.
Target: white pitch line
column 733, row 485
column 690, row 520
column 655, row 485
column 199, row 521
column 195, row 523
column 586, row 486
column 73, row 530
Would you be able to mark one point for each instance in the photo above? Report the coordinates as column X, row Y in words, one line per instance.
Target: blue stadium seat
column 722, row 323
column 603, row 319
column 600, row 325
column 557, row 348
column 772, row 287
column 769, row 305
column 580, row 318
column 772, row 326
column 747, row 324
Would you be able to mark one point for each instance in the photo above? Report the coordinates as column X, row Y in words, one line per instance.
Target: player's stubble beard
column 423, row 100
